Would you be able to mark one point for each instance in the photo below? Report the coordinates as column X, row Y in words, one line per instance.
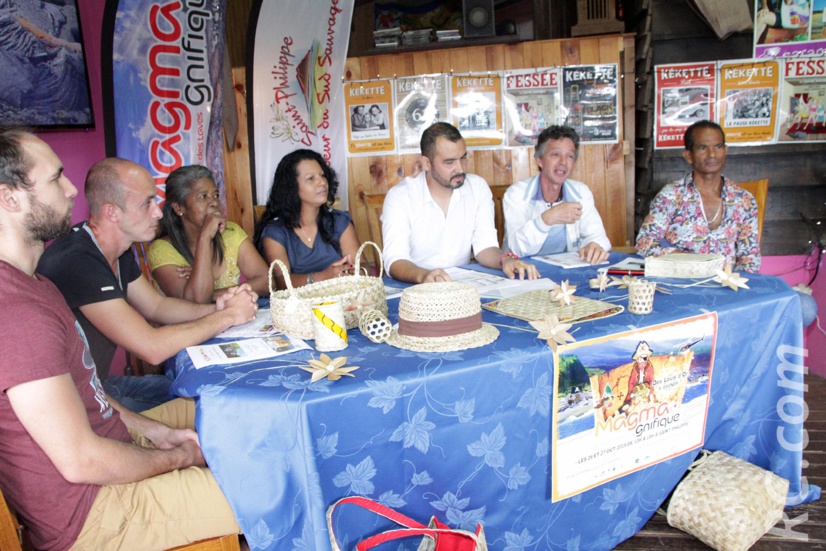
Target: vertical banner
column 531, row 104
column 748, row 102
column 686, row 93
column 591, row 102
column 789, row 28
column 626, row 401
column 166, row 71
column 369, row 107
column 802, row 111
column 476, row 108
column 297, row 94
column 420, row 102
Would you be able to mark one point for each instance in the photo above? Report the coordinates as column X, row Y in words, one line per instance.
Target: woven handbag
column 437, row 536
column 292, row 308
column 726, row 502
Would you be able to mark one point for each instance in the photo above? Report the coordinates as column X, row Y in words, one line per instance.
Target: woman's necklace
column 309, row 239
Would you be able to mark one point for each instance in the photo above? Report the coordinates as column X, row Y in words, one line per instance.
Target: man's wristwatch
column 310, row 278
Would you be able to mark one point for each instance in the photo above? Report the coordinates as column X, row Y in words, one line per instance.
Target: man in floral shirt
column 705, row 212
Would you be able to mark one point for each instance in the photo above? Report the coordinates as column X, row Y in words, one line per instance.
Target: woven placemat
column 537, row 305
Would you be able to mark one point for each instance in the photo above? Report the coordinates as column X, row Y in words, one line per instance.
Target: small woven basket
column 641, row 296
column 375, row 326
column 291, row 308
column 726, row 502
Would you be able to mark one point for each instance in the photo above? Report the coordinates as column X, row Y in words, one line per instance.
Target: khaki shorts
column 164, row 511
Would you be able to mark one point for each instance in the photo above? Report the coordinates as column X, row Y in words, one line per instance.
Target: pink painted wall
column 793, row 271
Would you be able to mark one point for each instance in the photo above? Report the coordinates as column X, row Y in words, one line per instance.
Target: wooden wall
column 607, row 169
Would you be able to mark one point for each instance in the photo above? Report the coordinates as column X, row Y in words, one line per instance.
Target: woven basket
column 684, row 265
column 292, row 308
column 726, row 502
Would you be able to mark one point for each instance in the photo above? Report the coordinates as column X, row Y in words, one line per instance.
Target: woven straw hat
column 441, row 317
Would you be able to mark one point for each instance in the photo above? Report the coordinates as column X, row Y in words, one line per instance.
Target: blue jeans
column 138, row 393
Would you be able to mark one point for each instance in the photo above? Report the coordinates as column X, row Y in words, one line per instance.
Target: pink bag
column 441, row 537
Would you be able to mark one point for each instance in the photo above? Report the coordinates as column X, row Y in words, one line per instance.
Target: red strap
column 390, row 535
column 446, row 539
column 379, row 509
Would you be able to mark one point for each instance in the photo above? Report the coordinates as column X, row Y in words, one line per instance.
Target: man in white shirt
column 433, row 220
column 549, row 213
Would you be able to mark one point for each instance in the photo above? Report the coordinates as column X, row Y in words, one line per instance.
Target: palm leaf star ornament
column 603, row 281
column 554, row 332
column 732, row 280
column 562, row 293
column 333, row 369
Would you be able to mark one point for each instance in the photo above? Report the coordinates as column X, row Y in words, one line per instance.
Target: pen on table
column 625, row 272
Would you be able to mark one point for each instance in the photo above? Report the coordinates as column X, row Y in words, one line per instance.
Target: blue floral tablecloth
column 466, row 435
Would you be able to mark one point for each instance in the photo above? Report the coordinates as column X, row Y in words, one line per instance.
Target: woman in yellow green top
column 199, row 254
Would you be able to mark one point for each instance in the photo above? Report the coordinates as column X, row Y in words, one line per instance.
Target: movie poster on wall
column 530, row 102
column 476, row 108
column 369, row 107
column 686, row 93
column 296, row 99
column 420, row 102
column 802, row 109
column 627, row 401
column 789, row 28
column 591, row 103
column 747, row 109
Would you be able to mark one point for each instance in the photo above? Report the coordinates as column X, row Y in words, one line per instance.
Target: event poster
column 297, row 92
column 420, row 101
column 802, row 110
column 789, row 28
column 369, row 117
column 627, row 401
column 530, row 102
column 476, row 108
column 166, row 70
column 686, row 93
column 747, row 109
column 591, row 103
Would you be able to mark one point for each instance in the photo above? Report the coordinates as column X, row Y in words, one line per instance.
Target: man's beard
column 449, row 183
column 44, row 223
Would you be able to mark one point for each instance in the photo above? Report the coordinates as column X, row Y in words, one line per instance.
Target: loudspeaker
column 478, row 18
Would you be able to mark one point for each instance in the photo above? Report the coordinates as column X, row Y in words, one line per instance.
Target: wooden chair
column 11, row 531
column 259, row 212
column 222, row 543
column 760, row 190
column 373, row 203
column 13, row 536
column 498, row 211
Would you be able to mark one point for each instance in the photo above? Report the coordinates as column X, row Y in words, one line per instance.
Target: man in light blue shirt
column 550, row 213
